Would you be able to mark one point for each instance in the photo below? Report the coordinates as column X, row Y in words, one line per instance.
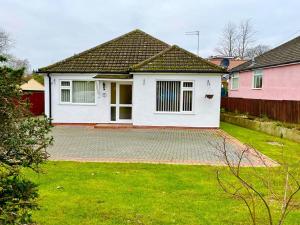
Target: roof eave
column 102, row 72
column 266, row 66
column 177, row 71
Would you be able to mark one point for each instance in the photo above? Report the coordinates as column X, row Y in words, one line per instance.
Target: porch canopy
column 114, row 77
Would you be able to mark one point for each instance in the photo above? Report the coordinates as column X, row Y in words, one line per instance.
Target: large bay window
column 76, row 91
column 257, row 79
column 174, row 96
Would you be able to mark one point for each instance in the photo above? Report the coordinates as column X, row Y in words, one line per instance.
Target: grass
column 113, row 193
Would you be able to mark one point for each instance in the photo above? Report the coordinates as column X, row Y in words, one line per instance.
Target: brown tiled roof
column 286, row 53
column 134, row 51
column 115, row 56
column 176, row 59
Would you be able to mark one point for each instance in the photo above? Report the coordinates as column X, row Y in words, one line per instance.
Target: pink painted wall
column 279, row 83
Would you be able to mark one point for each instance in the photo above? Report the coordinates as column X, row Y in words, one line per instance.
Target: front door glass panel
column 120, row 102
column 125, row 94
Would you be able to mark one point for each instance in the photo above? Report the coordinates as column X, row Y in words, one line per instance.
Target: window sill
column 78, row 104
column 256, row 88
column 175, row 113
column 234, row 89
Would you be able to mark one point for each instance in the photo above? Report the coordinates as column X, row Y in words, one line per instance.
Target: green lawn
column 113, row 193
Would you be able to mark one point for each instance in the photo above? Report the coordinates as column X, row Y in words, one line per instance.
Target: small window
column 65, row 91
column 65, row 83
column 187, row 84
column 235, row 81
column 187, row 101
column 257, row 79
column 187, row 96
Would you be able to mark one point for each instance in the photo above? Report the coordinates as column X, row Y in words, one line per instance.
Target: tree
column 244, row 38
column 16, row 63
column 227, row 45
column 23, row 143
column 11, row 61
column 5, row 41
column 256, row 51
column 237, row 41
column 271, row 189
column 39, row 78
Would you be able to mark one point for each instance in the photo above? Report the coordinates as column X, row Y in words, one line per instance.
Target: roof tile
column 137, row 51
column 176, row 59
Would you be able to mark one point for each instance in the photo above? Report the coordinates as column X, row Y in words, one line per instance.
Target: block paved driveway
column 178, row 146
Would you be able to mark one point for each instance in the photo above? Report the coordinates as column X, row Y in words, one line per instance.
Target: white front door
column 121, row 102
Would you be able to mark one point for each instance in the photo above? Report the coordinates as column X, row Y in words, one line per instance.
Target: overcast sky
column 45, row 31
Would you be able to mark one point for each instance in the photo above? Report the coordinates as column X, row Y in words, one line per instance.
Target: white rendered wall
column 77, row 113
column 206, row 112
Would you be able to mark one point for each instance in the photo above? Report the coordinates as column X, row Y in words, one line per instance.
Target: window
column 77, row 92
column 187, row 96
column 174, row 96
column 65, row 90
column 257, row 79
column 235, row 81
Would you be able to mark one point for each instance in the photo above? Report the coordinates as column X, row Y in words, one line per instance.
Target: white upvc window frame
column 182, row 89
column 65, row 88
column 71, row 92
column 236, row 76
column 258, row 72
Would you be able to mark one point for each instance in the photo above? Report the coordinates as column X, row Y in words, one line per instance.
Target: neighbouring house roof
column 32, row 85
column 232, row 62
column 286, row 53
column 131, row 52
column 176, row 59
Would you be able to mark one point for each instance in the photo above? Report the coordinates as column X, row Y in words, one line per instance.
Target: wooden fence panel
column 282, row 110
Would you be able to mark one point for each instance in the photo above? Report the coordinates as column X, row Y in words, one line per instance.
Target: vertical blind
column 187, row 101
column 168, row 96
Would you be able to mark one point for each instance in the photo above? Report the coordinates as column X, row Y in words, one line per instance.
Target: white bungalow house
column 136, row 79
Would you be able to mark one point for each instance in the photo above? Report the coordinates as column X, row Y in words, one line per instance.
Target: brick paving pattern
column 178, row 146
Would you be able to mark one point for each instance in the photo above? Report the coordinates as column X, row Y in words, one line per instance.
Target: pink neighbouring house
column 274, row 75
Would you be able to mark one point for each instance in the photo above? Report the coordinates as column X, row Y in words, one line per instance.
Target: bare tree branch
column 227, row 45
column 248, row 192
column 245, row 37
column 256, row 51
column 5, row 41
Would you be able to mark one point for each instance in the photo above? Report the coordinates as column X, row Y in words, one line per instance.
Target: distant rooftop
column 233, row 61
column 32, row 85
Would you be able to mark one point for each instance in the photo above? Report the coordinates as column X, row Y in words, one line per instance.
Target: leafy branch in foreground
column 23, row 143
column 260, row 184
